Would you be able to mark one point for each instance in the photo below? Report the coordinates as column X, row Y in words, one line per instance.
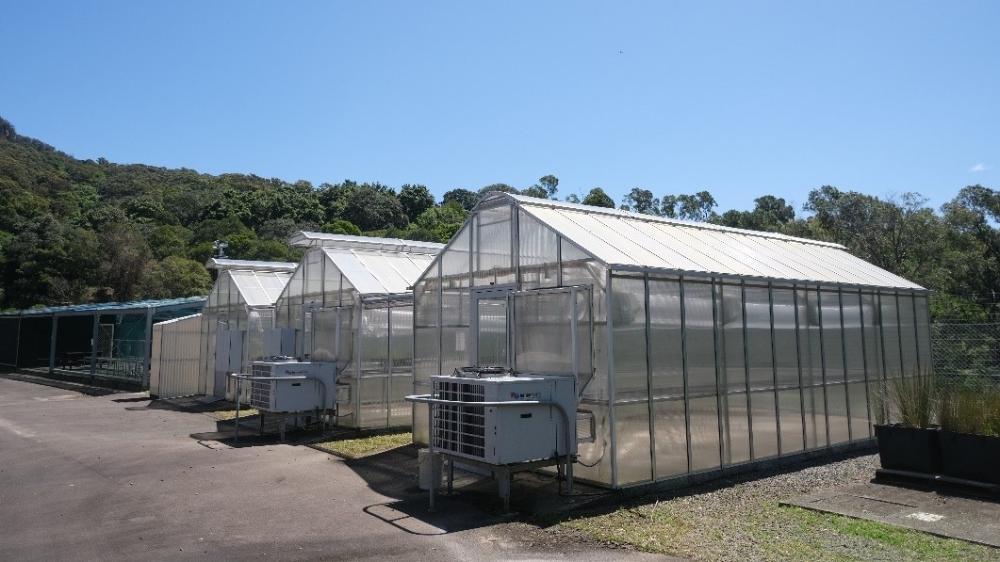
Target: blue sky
column 742, row 99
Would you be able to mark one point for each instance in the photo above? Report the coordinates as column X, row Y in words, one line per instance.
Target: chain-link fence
column 967, row 375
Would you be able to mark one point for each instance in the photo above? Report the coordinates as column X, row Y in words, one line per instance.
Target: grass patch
column 226, row 415
column 365, row 446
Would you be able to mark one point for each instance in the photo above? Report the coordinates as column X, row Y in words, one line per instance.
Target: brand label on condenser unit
column 525, row 395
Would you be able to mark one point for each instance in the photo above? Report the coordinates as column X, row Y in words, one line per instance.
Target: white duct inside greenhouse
column 697, row 347
column 349, row 302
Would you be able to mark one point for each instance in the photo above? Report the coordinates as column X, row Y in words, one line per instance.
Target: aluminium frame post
column 387, row 388
column 684, row 372
column 774, row 367
column 649, row 382
column 148, row 341
column 822, row 362
column 916, row 330
column 725, row 427
column 899, row 335
column 746, row 367
column 717, row 357
column 798, row 364
column 609, row 326
column 864, row 361
column 843, row 362
column 52, row 343
column 94, row 335
column 17, row 348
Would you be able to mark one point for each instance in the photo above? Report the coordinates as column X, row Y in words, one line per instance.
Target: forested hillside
column 81, row 230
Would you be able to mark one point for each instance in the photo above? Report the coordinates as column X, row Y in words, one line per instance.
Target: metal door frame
column 493, row 292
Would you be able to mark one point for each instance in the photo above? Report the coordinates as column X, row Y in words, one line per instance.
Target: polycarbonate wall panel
column 455, row 261
column 858, row 397
column 837, row 414
column 785, row 353
column 629, row 329
column 543, row 341
column 731, row 335
column 538, row 253
column 704, row 416
column 632, row 434
column 790, row 410
column 758, row 323
column 735, row 429
column 699, row 338
column 907, row 334
column 854, row 353
column 872, row 345
column 454, row 329
column 923, row 332
column 671, row 438
column 666, row 359
column 492, row 260
column 765, row 424
column 833, row 344
column 427, row 329
column 814, row 413
column 890, row 335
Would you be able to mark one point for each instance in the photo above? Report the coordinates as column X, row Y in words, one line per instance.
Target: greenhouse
column 697, row 348
column 349, row 302
column 102, row 341
column 239, row 310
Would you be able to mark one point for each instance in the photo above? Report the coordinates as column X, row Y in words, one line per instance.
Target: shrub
column 915, row 399
column 970, row 405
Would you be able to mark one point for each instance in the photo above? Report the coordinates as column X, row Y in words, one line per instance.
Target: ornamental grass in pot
column 911, row 442
column 969, row 414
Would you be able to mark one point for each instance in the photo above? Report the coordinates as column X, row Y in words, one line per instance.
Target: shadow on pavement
column 61, row 384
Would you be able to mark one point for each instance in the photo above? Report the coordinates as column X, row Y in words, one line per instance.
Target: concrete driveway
column 103, row 477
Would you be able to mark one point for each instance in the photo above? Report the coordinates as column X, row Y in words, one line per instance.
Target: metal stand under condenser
column 503, row 474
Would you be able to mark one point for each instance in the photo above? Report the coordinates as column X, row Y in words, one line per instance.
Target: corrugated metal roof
column 109, row 307
column 379, row 272
column 259, row 288
column 347, row 241
column 223, row 264
column 625, row 240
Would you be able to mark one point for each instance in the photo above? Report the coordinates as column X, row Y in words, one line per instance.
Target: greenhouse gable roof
column 347, row 241
column 259, row 288
column 223, row 264
column 380, row 272
column 632, row 241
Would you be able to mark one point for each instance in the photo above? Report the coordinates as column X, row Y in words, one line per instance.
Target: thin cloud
column 980, row 167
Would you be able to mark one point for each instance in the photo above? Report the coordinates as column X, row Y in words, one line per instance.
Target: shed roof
column 347, row 241
column 625, row 240
column 259, row 288
column 223, row 264
column 111, row 307
column 380, row 272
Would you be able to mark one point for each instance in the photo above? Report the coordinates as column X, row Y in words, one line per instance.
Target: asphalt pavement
column 93, row 476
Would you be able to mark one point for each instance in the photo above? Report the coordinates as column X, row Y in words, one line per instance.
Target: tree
column 598, row 198
column 696, row 207
column 573, row 198
column 341, row 226
column 124, row 256
column 169, row 240
column 641, row 200
column 415, row 199
column 497, row 187
column 175, row 277
column 770, row 213
column 444, row 221
column 546, row 188
column 371, row 208
column 465, row 198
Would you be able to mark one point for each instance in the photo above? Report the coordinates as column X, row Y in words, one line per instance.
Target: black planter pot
column 970, row 457
column 909, row 448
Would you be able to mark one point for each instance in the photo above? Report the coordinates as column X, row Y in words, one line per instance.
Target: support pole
column 148, row 341
column 52, row 343
column 95, row 334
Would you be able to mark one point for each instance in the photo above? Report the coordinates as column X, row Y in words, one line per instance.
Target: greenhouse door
column 491, row 328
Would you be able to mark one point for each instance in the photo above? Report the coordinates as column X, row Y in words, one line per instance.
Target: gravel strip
column 740, row 520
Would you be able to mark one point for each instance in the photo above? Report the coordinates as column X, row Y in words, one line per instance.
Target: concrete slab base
column 956, row 517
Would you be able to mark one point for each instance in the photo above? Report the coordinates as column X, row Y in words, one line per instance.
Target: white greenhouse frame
column 706, row 348
column 349, row 302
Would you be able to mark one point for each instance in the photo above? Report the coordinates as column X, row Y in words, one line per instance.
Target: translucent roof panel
column 110, row 307
column 379, row 272
column 627, row 240
column 349, row 242
column 259, row 288
column 223, row 264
